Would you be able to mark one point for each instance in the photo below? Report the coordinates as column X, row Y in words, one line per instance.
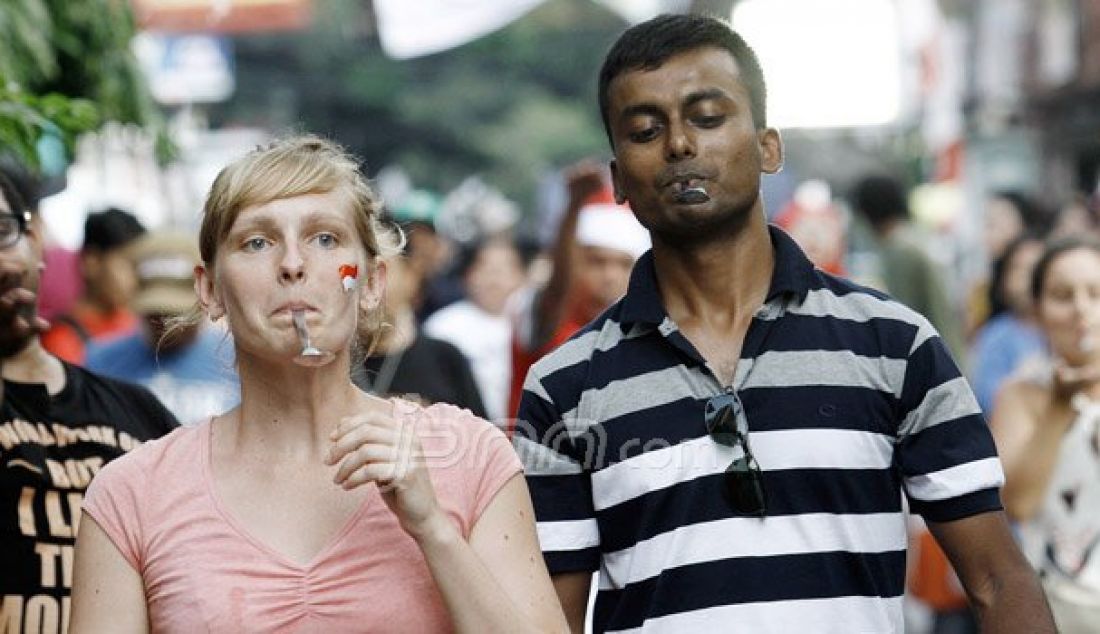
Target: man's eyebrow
column 704, row 95
column 640, row 109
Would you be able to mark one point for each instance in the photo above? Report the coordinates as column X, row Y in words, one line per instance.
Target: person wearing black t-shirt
column 428, row 370
column 59, row 424
column 409, row 364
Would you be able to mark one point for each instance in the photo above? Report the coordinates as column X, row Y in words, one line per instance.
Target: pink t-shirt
column 203, row 572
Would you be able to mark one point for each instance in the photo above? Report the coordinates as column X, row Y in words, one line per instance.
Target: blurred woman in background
column 1010, row 336
column 1047, row 425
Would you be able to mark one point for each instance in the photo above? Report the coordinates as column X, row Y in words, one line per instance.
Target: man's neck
column 718, row 283
column 33, row 364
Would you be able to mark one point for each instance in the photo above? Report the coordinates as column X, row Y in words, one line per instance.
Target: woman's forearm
column 471, row 593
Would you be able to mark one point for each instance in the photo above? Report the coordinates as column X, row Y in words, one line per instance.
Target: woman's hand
column 1071, row 380
column 379, row 448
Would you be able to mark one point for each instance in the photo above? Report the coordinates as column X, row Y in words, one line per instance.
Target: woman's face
column 1069, row 306
column 287, row 255
column 496, row 273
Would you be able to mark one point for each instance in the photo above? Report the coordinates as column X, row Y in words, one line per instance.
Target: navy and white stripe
column 853, row 403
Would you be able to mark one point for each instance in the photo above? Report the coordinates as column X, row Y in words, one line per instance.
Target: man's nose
column 681, row 143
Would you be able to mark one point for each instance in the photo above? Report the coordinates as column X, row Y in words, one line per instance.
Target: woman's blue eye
column 255, row 244
column 326, row 240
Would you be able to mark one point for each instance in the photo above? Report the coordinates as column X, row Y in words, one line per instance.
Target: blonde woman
column 312, row 506
column 1046, row 422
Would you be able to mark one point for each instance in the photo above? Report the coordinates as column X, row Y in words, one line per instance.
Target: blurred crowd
column 487, row 305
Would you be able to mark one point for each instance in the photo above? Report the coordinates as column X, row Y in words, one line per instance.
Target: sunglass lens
column 721, row 418
column 743, row 488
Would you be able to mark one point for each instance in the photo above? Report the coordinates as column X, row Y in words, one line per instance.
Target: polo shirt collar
column 793, row 275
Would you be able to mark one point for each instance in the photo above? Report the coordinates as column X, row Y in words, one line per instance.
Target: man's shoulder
column 599, row 335
column 83, row 378
column 107, row 351
column 211, row 347
column 1007, row 328
column 433, row 347
column 842, row 298
column 119, row 396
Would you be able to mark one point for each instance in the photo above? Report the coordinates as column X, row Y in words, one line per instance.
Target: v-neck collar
column 331, row 545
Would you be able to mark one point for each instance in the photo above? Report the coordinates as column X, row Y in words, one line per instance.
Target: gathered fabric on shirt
column 202, row 571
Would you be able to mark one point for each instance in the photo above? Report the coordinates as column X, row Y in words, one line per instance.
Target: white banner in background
column 412, row 29
column 828, row 64
column 191, row 68
column 636, row 11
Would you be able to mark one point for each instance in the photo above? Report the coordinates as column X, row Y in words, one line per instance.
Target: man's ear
column 373, row 285
column 771, row 151
column 207, row 294
column 620, row 197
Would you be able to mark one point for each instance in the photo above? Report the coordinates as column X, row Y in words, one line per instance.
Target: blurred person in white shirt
column 479, row 325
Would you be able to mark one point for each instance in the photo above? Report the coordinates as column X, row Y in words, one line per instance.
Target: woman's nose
column 292, row 267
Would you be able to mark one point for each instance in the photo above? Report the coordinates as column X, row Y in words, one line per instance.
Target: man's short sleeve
column 945, row 451
column 560, row 485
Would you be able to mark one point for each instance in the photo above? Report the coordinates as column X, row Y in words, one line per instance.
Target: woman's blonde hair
column 296, row 166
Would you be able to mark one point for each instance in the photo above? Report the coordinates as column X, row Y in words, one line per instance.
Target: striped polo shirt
column 853, row 403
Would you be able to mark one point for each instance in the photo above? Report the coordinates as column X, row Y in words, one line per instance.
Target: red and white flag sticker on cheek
column 349, row 276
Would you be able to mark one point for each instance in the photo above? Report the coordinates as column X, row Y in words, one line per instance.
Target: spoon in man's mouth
column 692, row 196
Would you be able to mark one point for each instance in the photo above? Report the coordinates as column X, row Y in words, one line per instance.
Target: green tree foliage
column 507, row 106
column 29, row 122
column 65, row 66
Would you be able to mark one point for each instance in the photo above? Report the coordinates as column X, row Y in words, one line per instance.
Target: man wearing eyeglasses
column 59, row 424
column 731, row 443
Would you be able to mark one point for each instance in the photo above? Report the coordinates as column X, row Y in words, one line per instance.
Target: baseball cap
column 164, row 262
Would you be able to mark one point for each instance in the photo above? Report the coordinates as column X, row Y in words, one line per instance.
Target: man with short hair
column 59, row 424
column 730, row 444
column 103, row 309
column 906, row 269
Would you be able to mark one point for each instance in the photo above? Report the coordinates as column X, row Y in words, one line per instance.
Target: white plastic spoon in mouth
column 692, row 196
column 310, row 355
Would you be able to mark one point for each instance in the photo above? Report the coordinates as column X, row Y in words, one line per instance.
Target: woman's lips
column 293, row 306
